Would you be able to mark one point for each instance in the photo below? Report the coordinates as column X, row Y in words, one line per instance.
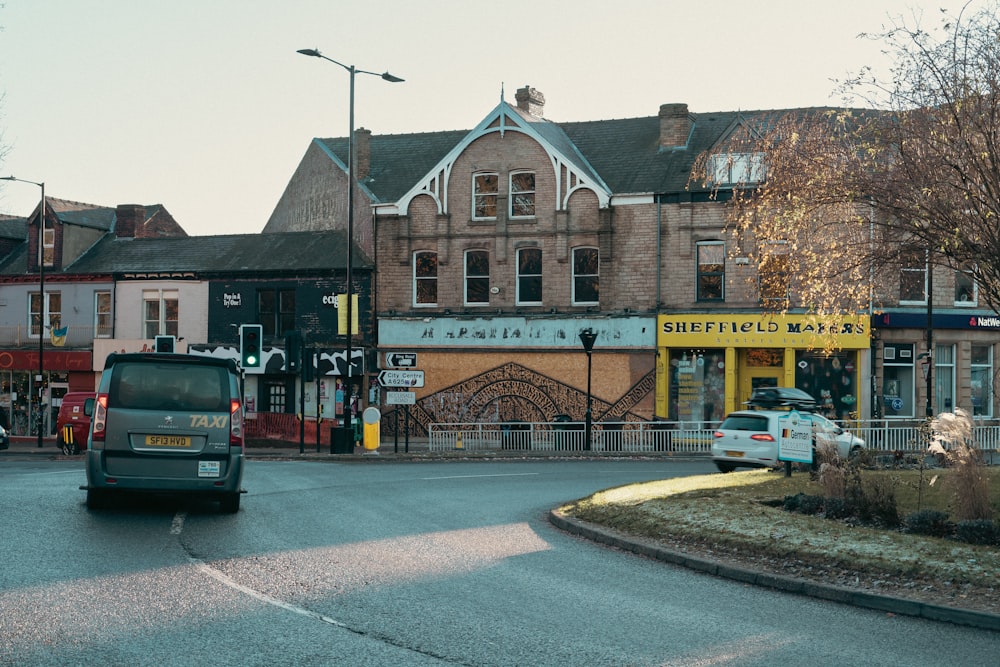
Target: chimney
column 363, row 153
column 129, row 219
column 530, row 100
column 675, row 125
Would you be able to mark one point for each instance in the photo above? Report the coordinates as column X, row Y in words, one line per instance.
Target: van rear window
column 169, row 386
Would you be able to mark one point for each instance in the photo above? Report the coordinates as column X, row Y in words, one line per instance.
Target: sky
column 205, row 107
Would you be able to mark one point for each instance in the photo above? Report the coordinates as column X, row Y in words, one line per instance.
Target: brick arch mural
column 514, row 392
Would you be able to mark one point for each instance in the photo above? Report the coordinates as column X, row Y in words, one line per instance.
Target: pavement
column 27, row 449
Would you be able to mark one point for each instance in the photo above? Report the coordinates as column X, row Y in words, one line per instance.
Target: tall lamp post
column 314, row 53
column 587, row 337
column 41, row 301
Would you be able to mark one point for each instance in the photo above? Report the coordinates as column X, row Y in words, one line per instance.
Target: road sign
column 401, row 378
column 404, row 359
column 400, row 398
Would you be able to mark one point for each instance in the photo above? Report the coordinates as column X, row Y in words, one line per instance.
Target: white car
column 749, row 439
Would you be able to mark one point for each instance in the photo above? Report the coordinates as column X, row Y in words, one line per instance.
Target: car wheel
column 61, row 444
column 97, row 499
column 725, row 467
column 230, row 503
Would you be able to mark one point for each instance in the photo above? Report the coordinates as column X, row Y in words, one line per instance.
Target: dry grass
column 741, row 513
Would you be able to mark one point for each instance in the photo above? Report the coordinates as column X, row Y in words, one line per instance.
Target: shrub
column 837, row 508
column 874, row 501
column 978, row 531
column 804, row 504
column 951, row 439
column 929, row 522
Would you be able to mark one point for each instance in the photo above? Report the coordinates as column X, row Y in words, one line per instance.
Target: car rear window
column 745, row 423
column 169, row 386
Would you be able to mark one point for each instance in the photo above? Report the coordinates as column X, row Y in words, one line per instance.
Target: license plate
column 168, row 441
column 208, row 468
column 733, row 454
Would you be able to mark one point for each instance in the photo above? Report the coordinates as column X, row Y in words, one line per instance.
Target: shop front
column 709, row 364
column 29, row 400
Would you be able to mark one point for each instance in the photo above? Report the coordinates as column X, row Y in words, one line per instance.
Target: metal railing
column 888, row 436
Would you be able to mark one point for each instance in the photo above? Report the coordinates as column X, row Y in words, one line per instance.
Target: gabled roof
column 229, row 254
column 82, row 215
column 618, row 156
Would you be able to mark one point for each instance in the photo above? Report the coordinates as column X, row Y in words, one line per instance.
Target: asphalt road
column 377, row 563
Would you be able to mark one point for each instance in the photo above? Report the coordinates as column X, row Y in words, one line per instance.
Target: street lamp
column 314, row 53
column 587, row 337
column 41, row 302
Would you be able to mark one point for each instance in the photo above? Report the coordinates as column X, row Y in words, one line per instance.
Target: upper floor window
column 102, row 315
column 425, row 278
column 966, row 289
column 913, row 277
column 276, row 311
column 48, row 242
column 522, row 194
column 773, row 276
column 477, row 277
column 711, row 270
column 160, row 313
column 485, row 189
column 529, row 276
column 736, row 168
column 49, row 312
column 586, row 277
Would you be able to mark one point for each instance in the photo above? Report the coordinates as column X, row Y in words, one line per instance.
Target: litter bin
column 341, row 440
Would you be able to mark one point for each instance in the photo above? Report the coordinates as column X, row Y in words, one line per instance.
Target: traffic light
column 293, row 351
column 250, row 345
column 165, row 344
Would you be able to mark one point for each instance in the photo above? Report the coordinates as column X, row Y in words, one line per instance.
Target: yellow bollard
column 372, row 419
column 458, row 441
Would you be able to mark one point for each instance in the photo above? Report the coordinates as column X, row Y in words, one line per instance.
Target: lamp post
column 314, row 53
column 929, row 367
column 41, row 301
column 587, row 337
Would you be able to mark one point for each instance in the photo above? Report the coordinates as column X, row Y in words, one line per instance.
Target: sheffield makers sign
column 762, row 330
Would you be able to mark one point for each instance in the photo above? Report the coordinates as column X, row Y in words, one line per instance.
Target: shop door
column 755, row 378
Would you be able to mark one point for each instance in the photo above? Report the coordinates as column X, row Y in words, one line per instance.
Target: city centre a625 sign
column 401, row 378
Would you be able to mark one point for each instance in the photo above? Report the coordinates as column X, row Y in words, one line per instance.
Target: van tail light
column 763, row 437
column 100, row 420
column 235, row 424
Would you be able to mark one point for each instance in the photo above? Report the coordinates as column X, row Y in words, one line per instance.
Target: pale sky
column 205, row 107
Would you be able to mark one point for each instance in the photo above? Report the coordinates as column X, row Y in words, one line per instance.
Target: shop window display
column 831, row 380
column 697, row 385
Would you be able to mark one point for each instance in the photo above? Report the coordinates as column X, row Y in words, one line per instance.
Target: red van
column 73, row 421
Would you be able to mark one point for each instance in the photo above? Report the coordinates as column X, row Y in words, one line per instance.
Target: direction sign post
column 401, row 378
column 401, row 359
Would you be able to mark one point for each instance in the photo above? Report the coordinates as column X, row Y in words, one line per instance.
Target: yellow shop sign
column 761, row 330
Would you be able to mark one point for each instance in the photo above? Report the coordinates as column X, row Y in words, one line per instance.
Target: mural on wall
column 512, row 392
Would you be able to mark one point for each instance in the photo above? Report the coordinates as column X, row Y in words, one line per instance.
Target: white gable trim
column 503, row 119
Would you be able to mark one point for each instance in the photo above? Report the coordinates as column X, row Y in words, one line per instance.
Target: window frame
column 701, row 276
column 749, row 169
column 965, row 283
column 419, row 280
column 480, row 280
column 521, row 194
column 486, row 195
column 51, row 317
column 279, row 320
column 594, row 277
column 906, row 269
column 166, row 301
column 528, row 280
column 103, row 319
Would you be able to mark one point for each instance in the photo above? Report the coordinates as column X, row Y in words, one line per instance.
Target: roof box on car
column 781, row 397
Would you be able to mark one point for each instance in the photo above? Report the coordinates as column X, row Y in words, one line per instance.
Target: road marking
column 519, row 474
column 263, row 597
column 177, row 525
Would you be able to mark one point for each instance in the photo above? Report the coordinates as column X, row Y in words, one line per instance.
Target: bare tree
column 852, row 194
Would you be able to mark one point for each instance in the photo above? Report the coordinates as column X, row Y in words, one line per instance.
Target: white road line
column 520, row 474
column 288, row 606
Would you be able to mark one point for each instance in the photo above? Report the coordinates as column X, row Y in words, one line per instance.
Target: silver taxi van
column 166, row 423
